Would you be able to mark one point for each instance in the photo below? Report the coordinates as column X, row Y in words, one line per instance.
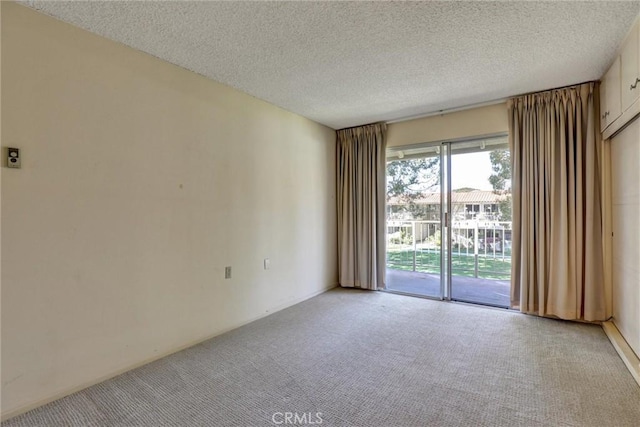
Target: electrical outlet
column 13, row 158
column 267, row 263
column 227, row 272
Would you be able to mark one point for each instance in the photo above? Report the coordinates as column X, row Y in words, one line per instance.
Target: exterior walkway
column 468, row 289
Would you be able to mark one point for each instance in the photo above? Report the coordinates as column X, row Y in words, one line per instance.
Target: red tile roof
column 457, row 197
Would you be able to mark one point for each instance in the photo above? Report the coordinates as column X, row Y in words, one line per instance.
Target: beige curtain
column 361, row 206
column 557, row 263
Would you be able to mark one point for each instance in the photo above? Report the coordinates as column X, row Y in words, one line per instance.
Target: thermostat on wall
column 13, row 158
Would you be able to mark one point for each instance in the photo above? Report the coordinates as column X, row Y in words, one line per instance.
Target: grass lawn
column 462, row 265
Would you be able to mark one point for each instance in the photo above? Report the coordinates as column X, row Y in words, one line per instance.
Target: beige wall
column 487, row 120
column 141, row 181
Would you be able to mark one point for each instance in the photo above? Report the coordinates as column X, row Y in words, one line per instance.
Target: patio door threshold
column 454, row 301
column 410, row 294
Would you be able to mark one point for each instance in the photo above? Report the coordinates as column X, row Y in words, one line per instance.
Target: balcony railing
column 481, row 247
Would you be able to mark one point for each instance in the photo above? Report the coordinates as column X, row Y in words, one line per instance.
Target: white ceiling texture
column 350, row 63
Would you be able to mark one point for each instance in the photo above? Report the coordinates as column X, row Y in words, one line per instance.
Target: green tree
column 408, row 180
column 500, row 180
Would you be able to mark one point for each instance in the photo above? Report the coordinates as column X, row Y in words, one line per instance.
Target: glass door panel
column 449, row 221
column 445, row 215
column 480, row 231
column 413, row 222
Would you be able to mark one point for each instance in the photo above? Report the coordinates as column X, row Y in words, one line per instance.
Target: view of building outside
column 481, row 185
column 480, row 214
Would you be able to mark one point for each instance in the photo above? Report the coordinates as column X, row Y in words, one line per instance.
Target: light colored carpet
column 372, row 359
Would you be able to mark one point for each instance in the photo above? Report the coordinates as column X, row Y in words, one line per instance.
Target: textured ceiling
column 349, row 63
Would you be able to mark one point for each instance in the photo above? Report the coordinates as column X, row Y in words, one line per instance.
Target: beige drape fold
column 557, row 263
column 361, row 193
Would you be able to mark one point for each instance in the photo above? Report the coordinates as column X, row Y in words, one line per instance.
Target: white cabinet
column 610, row 107
column 628, row 87
column 625, row 204
column 630, row 68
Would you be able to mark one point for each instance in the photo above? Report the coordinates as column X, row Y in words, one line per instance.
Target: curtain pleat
column 557, row 262
column 361, row 191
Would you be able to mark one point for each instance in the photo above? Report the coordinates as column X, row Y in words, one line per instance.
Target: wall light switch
column 267, row 263
column 13, row 158
column 227, row 272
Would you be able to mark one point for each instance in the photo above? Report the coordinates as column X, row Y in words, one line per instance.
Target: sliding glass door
column 414, row 229
column 449, row 221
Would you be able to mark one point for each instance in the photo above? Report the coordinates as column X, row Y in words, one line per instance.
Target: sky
column 471, row 170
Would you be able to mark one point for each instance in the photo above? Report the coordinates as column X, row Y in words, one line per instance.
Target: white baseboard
column 627, row 355
column 68, row 391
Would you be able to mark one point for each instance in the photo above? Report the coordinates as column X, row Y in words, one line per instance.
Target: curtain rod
column 361, row 126
column 480, row 104
column 449, row 110
column 555, row 88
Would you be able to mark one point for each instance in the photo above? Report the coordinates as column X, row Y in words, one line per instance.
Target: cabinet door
column 610, row 104
column 625, row 205
column 630, row 87
column 612, row 93
column 604, row 110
